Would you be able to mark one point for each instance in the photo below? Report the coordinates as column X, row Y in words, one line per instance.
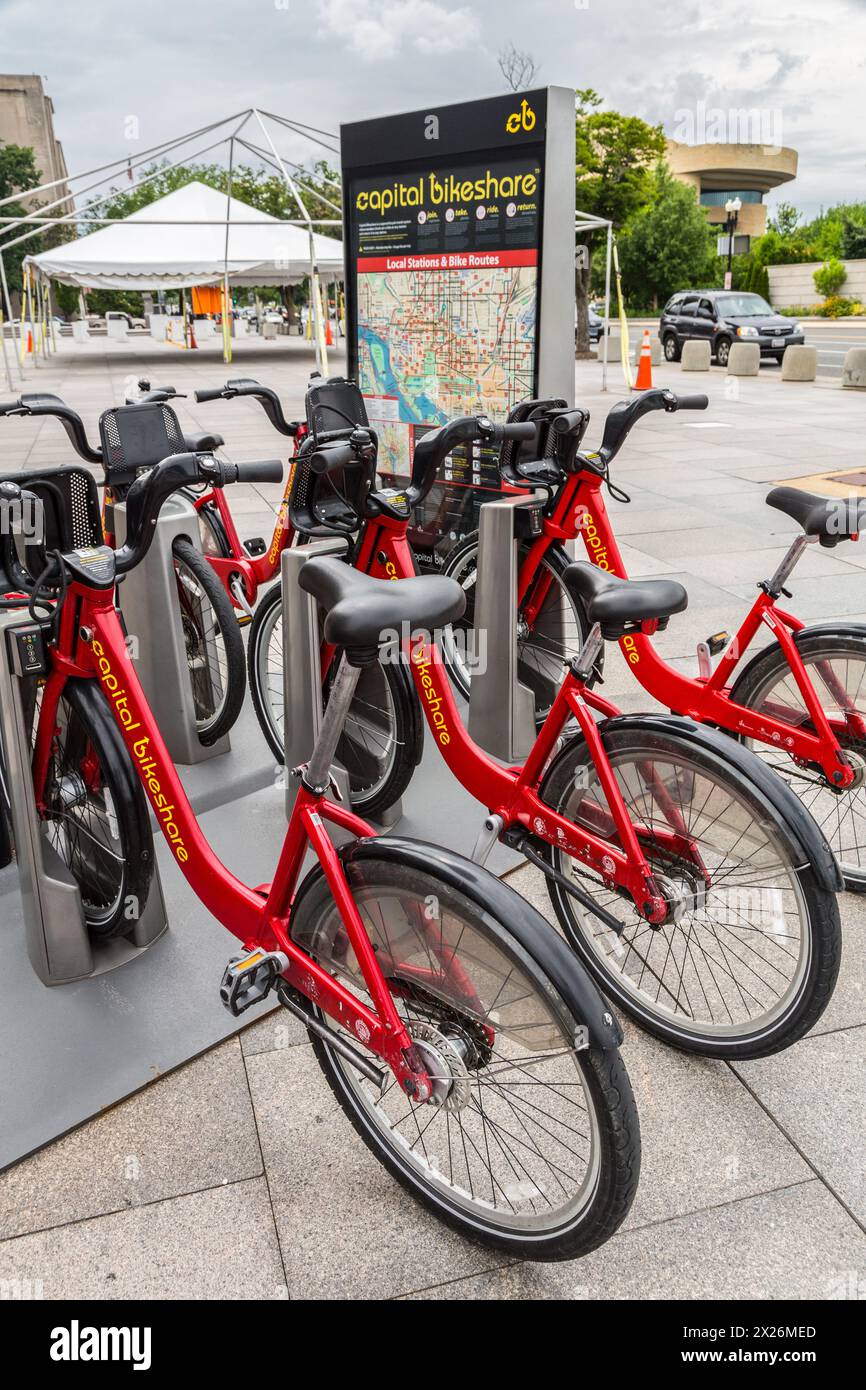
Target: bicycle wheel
column 380, row 746
column 96, row 814
column 528, row 1145
column 748, row 958
column 836, row 664
column 214, row 646
column 544, row 647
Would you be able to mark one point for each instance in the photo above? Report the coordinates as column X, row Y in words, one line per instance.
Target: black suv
column 722, row 317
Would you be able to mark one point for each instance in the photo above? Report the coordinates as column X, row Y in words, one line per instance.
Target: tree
column 830, row 278
column 518, row 69
column 667, row 245
column 613, row 179
column 786, row 221
column 853, row 239
column 18, row 172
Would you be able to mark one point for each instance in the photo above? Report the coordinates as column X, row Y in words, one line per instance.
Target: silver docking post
column 148, row 601
column 58, row 944
column 501, row 707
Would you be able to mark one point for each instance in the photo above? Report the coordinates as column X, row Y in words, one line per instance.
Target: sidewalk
column 236, row 1176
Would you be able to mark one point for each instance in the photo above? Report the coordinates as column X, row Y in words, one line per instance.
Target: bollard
column 744, row 359
column 854, row 371
column 800, row 363
column 696, row 355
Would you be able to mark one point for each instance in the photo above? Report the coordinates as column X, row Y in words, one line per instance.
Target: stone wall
column 793, row 284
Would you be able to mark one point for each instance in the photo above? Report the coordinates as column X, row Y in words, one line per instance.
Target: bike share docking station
column 59, row 946
column 149, row 602
column 109, row 1031
column 501, row 706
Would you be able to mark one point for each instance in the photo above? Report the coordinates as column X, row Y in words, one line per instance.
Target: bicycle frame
column 92, row 645
column 512, row 793
column 254, row 570
column 578, row 509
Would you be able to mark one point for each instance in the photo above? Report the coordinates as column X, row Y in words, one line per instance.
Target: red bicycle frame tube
column 512, row 793
column 580, row 511
column 254, row 570
column 92, row 645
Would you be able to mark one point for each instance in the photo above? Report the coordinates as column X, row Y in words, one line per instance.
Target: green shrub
column 836, row 306
column 830, row 278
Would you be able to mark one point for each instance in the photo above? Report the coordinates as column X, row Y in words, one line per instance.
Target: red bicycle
column 800, row 703
column 464, row 1042
column 687, row 876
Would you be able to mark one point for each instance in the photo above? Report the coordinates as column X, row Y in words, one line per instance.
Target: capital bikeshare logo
column 421, row 662
column 140, row 748
column 523, row 119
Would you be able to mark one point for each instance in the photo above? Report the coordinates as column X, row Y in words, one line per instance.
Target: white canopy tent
column 193, row 236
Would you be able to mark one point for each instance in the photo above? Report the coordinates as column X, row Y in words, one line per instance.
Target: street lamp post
column 732, row 208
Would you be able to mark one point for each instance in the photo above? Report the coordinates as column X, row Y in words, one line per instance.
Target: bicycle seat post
column 317, row 775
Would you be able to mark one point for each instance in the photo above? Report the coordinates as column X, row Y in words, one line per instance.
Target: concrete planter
column 744, row 359
column 800, row 363
column 854, row 371
column 696, row 355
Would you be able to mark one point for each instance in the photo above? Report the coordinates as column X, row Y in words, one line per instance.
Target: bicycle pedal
column 247, row 979
column 255, row 546
column 718, row 642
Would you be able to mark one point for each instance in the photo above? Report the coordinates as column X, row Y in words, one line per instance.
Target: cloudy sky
column 166, row 66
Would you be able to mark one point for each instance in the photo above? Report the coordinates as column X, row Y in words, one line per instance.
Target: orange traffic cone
column 329, row 337
column 29, row 342
column 645, row 365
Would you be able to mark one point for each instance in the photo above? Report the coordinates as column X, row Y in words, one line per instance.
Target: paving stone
column 816, row 1091
column 192, row 1129
column 184, row 1248
column 346, row 1228
column 795, row 1243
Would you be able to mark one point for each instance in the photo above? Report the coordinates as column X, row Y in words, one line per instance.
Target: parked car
column 722, row 317
column 596, row 323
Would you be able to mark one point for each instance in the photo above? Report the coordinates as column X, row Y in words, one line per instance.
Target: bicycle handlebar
column 625, row 415
column 433, row 448
column 267, row 399
column 44, row 404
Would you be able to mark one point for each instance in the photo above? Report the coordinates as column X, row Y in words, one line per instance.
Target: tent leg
column 227, row 324
column 606, row 328
column 11, row 316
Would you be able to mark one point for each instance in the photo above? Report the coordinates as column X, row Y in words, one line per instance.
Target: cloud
column 378, row 32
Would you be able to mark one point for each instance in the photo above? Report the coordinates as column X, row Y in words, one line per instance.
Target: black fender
column 91, row 705
column 805, row 840
column 531, row 932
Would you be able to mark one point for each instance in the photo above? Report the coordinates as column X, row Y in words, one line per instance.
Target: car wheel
column 723, row 351
column 672, row 348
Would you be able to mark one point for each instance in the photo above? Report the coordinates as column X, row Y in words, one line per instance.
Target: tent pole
column 606, row 328
column 6, row 366
column 321, row 350
column 227, row 322
column 51, row 317
column 5, row 285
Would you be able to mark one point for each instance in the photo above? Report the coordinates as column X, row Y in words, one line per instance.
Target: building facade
column 719, row 172
column 27, row 118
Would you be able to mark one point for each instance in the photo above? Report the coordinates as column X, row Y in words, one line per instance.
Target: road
column 832, row 340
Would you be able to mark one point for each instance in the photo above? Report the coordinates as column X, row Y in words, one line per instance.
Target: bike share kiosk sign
column 459, row 235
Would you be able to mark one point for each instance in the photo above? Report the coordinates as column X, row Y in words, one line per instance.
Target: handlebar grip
column 692, row 402
column 209, row 395
column 569, row 420
column 519, row 430
column 331, row 457
column 257, row 471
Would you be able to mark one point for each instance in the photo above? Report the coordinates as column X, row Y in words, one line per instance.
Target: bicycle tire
column 479, row 908
column 93, row 728
column 211, row 723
